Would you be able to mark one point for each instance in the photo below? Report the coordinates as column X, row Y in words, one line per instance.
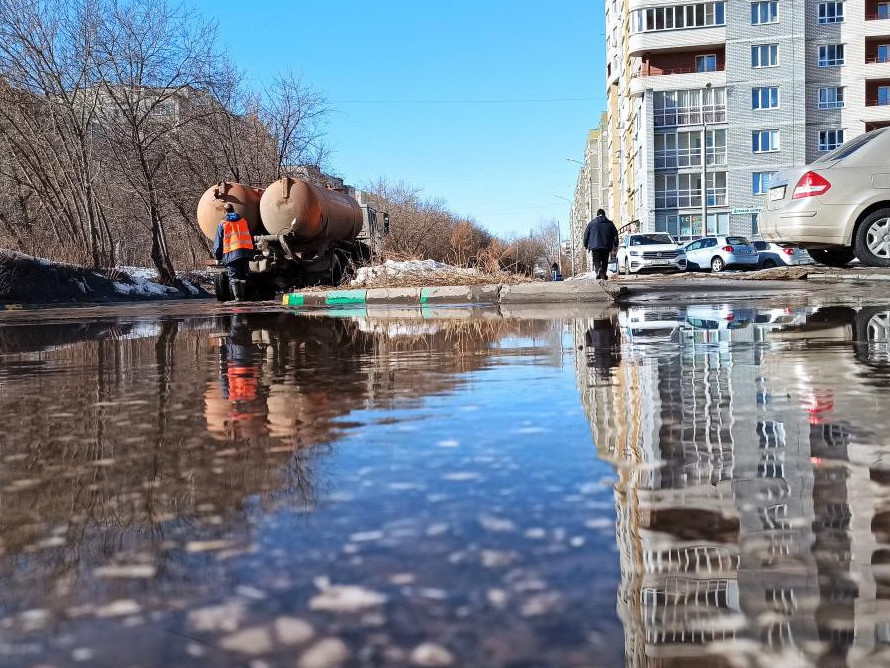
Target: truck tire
column 872, row 242
column 832, row 257
column 222, row 287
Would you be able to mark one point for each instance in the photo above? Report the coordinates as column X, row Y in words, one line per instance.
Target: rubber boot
column 239, row 288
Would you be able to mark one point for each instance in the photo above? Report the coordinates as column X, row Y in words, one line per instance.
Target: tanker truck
column 303, row 234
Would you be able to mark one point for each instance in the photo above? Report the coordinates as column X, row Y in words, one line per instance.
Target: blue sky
column 477, row 102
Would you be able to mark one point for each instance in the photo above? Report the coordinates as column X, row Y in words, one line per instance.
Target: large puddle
column 653, row 486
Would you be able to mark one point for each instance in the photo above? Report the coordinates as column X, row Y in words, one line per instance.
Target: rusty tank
column 309, row 213
column 245, row 199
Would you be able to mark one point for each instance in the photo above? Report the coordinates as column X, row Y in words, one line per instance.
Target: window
column 764, row 12
column 883, row 53
column 765, row 98
column 674, row 17
column 760, row 182
column 764, row 55
column 883, row 95
column 884, row 10
column 689, row 107
column 831, row 55
column 706, row 63
column 683, row 149
column 830, row 139
column 765, row 141
column 831, row 98
column 831, row 12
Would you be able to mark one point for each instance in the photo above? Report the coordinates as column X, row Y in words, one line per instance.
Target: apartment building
column 592, row 191
column 708, row 100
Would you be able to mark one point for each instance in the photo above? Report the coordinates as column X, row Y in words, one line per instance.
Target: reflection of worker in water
column 242, row 409
column 603, row 345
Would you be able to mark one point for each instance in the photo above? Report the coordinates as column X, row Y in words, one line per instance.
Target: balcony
column 877, row 93
column 877, row 10
column 685, row 39
column 677, row 70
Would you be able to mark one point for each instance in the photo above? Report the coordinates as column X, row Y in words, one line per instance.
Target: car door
column 691, row 250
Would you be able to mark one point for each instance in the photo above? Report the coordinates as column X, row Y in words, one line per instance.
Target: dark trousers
column 238, row 269
column 600, row 261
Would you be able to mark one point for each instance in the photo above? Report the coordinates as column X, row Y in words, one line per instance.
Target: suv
column 780, row 255
column 656, row 250
column 837, row 207
column 718, row 253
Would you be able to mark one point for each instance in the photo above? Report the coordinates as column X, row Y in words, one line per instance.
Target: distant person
column 234, row 247
column 601, row 239
column 555, row 273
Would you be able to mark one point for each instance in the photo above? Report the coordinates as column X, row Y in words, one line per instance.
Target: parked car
column 653, row 251
column 718, row 253
column 772, row 254
column 837, row 207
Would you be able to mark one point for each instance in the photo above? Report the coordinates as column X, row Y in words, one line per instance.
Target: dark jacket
column 226, row 258
column 601, row 233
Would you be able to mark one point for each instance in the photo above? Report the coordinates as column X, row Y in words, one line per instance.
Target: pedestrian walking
column 601, row 239
column 234, row 247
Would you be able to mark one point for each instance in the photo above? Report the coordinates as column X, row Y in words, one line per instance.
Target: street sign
column 746, row 210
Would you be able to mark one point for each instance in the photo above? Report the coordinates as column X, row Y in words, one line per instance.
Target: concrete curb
column 523, row 293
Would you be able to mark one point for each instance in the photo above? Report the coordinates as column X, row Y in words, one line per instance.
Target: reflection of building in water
column 740, row 512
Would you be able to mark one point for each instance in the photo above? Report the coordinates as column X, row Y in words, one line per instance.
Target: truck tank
column 310, row 213
column 245, row 199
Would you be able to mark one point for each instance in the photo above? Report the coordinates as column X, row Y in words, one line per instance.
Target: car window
column 737, row 241
column 709, row 243
column 760, row 245
column 650, row 239
column 695, row 245
column 849, row 148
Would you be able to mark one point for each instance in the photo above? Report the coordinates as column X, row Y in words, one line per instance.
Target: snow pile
column 410, row 270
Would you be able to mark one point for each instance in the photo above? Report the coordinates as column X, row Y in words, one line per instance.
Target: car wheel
column 717, row 264
column 769, row 264
column 872, row 244
column 833, row 257
column 222, row 287
column 872, row 334
column 627, row 267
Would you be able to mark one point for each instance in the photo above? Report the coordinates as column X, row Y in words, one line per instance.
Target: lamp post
column 704, row 165
column 571, row 233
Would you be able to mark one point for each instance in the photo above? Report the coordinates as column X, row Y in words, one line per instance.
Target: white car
column 772, row 255
column 654, row 251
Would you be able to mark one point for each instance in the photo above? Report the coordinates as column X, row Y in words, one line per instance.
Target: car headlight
column 635, row 252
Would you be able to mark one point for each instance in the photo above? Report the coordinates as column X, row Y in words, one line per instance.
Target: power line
column 472, row 101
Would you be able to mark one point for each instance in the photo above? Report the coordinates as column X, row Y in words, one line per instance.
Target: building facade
column 708, row 100
column 592, row 191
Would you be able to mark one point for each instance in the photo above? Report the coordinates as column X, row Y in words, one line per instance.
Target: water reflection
column 752, row 500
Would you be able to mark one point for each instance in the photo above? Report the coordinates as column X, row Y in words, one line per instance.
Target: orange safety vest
column 236, row 235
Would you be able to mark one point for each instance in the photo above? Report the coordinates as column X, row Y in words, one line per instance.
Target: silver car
column 718, row 253
column 772, row 255
column 837, row 207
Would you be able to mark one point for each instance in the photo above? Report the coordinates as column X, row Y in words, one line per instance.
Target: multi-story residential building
column 592, row 191
column 708, row 100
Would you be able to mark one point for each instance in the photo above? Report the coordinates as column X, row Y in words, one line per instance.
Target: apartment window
column 831, row 55
column 765, row 97
column 884, row 10
column 675, row 17
column 765, row 141
column 677, row 191
column 883, row 53
column 764, row 12
column 760, row 182
column 831, row 12
column 706, row 63
column 830, row 139
column 764, row 55
column 883, row 95
column 831, row 98
column 689, row 107
column 678, row 150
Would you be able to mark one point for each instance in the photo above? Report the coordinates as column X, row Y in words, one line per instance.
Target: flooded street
column 644, row 486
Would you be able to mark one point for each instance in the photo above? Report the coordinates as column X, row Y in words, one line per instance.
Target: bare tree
column 294, row 113
column 47, row 116
column 154, row 61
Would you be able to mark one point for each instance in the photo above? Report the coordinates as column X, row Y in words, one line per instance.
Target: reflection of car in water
column 719, row 317
column 647, row 324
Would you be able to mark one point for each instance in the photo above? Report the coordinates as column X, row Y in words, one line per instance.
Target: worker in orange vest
column 234, row 248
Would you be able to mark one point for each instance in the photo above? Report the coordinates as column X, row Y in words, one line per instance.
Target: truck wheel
column 222, row 287
column 832, row 257
column 872, row 243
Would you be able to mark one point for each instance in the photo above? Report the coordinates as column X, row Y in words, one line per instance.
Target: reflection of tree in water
column 123, row 449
